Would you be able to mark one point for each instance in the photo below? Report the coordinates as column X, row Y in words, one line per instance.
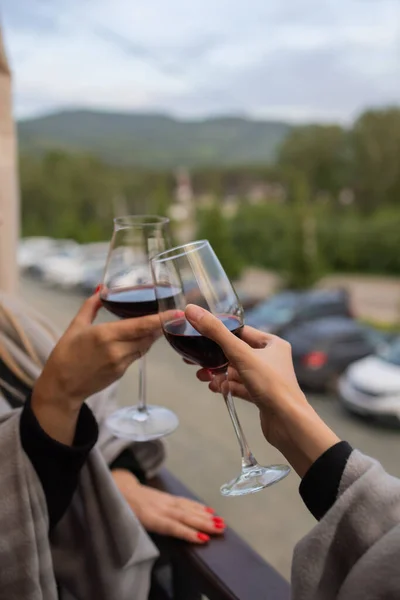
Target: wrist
column 48, row 392
column 302, row 436
column 56, row 412
column 127, row 483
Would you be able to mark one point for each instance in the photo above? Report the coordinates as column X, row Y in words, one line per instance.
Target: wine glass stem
column 248, row 459
column 142, row 406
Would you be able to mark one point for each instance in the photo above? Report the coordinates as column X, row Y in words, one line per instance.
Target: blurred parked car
column 46, row 263
column 322, row 349
column 286, row 309
column 69, row 264
column 371, row 387
column 31, row 250
column 64, row 266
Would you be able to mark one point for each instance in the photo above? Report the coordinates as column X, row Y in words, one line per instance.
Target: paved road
column 203, row 452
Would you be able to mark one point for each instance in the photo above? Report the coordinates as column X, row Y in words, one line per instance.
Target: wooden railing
column 226, row 569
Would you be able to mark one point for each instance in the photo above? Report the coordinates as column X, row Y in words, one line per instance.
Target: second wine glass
column 196, row 272
column 128, row 291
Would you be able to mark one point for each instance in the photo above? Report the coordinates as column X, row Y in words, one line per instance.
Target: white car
column 31, row 250
column 371, row 386
column 64, row 267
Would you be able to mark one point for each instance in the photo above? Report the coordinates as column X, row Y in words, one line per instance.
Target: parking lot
column 203, row 451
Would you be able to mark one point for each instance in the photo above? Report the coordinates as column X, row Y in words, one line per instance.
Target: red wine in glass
column 137, row 301
column 193, row 346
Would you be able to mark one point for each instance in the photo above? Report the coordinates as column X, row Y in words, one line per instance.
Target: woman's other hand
column 169, row 515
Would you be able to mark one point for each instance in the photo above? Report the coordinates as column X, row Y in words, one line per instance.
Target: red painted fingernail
column 97, row 289
column 219, row 525
column 218, row 520
column 203, row 537
column 209, row 509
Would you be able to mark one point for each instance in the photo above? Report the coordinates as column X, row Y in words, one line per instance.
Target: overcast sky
column 297, row 60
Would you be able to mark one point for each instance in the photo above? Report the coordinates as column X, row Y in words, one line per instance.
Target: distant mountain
column 153, row 140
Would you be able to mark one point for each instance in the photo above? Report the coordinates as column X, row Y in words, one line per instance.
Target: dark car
column 293, row 308
column 324, row 348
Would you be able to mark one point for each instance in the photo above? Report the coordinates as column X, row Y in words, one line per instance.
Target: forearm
column 305, row 437
column 125, row 481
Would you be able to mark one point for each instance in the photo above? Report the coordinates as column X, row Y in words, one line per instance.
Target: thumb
column 208, row 325
column 88, row 311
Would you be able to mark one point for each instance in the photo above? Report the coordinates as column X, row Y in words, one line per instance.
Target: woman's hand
column 262, row 372
column 87, row 359
column 165, row 514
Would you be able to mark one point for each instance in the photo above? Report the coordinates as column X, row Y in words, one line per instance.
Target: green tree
column 375, row 146
column 302, row 267
column 259, row 233
column 320, row 153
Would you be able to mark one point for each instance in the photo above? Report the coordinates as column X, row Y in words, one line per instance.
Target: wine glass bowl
column 128, row 292
column 210, row 289
column 128, row 289
column 196, row 276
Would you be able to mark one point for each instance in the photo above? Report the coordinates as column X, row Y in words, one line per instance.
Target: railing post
column 9, row 192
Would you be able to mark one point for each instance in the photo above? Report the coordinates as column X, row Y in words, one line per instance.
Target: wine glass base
column 253, row 479
column 137, row 425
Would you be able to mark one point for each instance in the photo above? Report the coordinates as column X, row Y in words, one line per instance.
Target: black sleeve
column 320, row 485
column 56, row 464
column 127, row 460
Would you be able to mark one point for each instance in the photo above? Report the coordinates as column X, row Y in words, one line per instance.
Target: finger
column 199, row 522
column 238, row 390
column 206, row 375
column 195, row 506
column 255, row 338
column 133, row 329
column 208, row 325
column 141, row 344
column 88, row 311
column 135, row 351
column 171, row 315
column 124, row 349
column 183, row 532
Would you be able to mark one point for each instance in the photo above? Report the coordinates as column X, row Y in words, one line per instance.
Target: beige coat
column 99, row 549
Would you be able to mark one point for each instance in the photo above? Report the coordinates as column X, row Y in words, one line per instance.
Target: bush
column 272, row 237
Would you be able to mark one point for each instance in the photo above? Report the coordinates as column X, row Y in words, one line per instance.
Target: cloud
column 170, row 60
column 27, row 16
column 301, row 61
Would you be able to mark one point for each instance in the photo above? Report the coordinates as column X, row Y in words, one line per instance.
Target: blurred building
column 346, row 196
column 183, row 211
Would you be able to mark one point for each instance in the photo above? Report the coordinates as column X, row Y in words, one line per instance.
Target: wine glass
column 128, row 291
column 195, row 276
